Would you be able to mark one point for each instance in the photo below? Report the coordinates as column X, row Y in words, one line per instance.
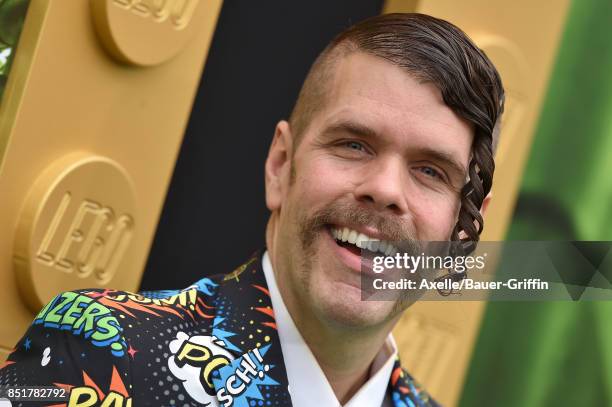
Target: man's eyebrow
column 353, row 128
column 445, row 158
column 359, row 129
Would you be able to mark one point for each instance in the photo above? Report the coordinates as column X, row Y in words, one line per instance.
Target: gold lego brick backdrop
column 91, row 120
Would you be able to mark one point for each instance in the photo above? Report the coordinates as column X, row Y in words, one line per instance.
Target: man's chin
column 334, row 291
column 341, row 304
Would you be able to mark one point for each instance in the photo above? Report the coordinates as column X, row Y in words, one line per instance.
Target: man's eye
column 353, row 145
column 431, row 172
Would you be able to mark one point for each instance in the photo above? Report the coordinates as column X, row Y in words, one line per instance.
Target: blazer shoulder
column 105, row 317
column 83, row 314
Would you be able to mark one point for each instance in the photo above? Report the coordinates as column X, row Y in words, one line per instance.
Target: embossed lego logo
column 150, row 32
column 77, row 228
column 178, row 12
column 94, row 241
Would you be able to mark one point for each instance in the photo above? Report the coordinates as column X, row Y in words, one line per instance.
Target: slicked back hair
column 432, row 51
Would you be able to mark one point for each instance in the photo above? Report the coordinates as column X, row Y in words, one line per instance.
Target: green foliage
column 549, row 354
column 12, row 15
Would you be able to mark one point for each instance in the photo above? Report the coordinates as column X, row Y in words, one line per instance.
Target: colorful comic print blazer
column 213, row 343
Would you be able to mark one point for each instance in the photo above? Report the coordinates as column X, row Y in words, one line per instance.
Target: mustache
column 391, row 228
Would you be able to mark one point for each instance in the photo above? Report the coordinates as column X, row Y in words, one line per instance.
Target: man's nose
column 384, row 186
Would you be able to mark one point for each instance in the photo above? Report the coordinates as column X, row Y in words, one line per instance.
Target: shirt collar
column 308, row 385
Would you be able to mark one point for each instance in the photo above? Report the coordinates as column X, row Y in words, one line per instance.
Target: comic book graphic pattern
column 406, row 392
column 214, row 343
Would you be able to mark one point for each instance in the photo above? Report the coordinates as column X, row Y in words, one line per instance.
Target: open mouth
column 356, row 242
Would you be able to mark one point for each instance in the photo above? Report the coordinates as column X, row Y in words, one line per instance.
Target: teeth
column 374, row 245
column 364, row 241
column 382, row 247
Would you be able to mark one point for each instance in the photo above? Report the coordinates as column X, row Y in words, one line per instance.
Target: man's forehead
column 361, row 78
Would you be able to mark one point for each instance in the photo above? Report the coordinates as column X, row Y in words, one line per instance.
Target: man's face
column 385, row 157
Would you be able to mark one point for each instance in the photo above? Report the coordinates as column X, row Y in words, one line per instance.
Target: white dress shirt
column 308, row 385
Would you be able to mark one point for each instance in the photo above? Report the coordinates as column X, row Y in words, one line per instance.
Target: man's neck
column 345, row 356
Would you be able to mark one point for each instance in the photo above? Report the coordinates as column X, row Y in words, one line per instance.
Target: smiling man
column 391, row 139
column 391, row 117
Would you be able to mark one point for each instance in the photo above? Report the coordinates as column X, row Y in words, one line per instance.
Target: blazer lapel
column 244, row 321
column 406, row 392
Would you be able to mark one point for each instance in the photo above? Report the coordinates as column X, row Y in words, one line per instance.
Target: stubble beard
column 310, row 227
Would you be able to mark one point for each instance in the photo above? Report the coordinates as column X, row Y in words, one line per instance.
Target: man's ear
column 278, row 166
column 485, row 204
column 483, row 211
